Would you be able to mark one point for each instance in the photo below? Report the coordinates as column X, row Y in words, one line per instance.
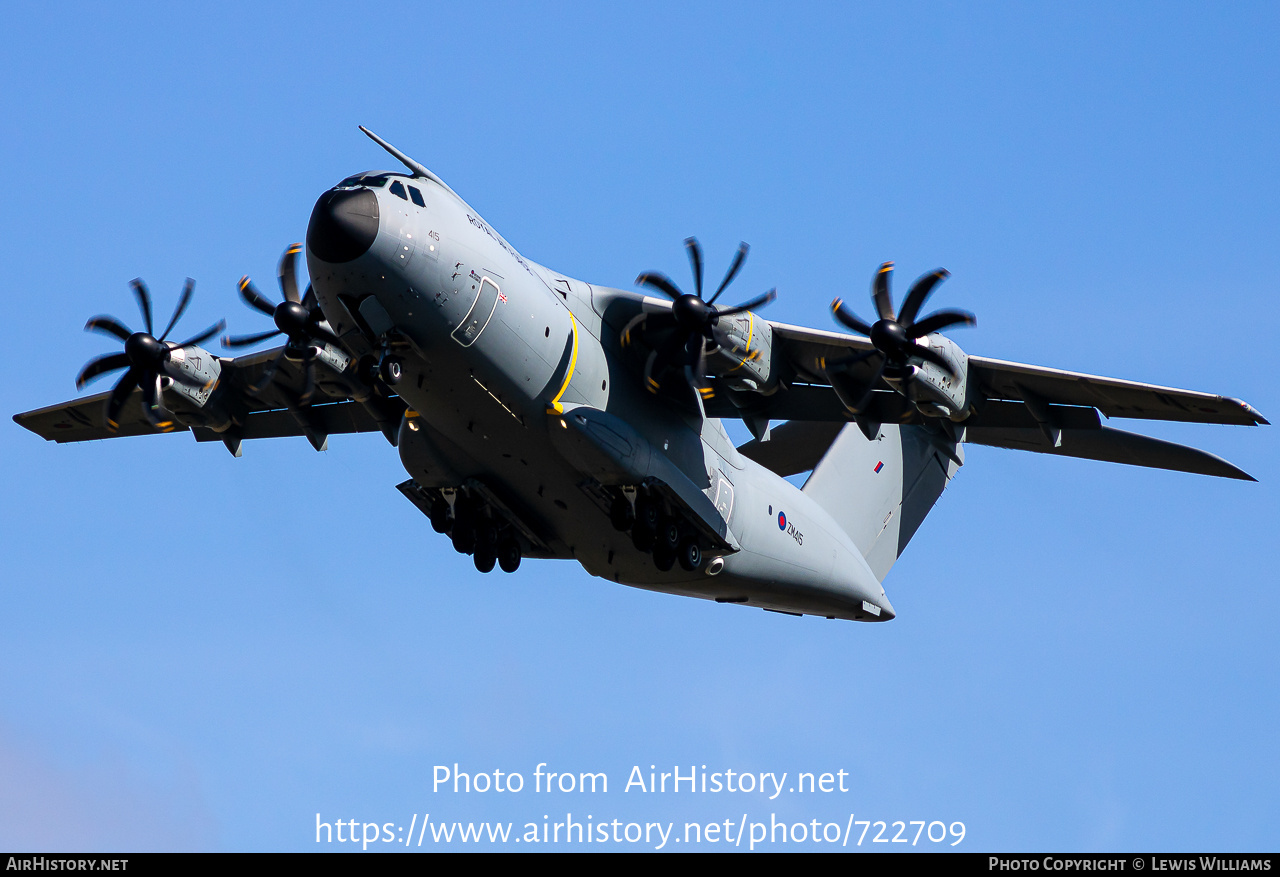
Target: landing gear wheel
column 663, row 557
column 486, row 537
column 464, row 537
column 622, row 515
column 641, row 537
column 669, row 534
column 441, row 516
column 647, row 514
column 509, row 555
column 689, row 555
column 390, row 370
column 484, row 559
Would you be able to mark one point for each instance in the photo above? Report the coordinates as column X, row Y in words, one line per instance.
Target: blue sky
column 203, row 653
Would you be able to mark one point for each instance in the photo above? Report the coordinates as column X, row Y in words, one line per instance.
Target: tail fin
column 880, row 490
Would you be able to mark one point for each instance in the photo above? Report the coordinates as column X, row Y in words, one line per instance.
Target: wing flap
column 333, row 418
column 1109, row 445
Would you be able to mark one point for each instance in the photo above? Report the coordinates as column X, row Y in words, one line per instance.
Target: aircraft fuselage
column 516, row 381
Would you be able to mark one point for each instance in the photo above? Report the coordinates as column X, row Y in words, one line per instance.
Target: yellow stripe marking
column 751, row 331
column 555, row 407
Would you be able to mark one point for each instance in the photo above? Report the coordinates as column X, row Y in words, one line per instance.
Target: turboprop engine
column 927, row 368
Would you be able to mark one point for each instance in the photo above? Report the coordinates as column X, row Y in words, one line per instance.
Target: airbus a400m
column 539, row 416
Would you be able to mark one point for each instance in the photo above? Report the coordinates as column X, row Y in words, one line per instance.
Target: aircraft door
column 481, row 311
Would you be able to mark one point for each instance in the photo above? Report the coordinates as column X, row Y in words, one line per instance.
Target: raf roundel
column 782, row 520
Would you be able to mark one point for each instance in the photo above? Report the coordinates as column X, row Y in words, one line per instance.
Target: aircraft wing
column 1114, row 398
column 1019, row 406
column 271, row 414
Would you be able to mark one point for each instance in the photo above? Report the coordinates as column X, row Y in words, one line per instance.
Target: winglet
column 418, row 169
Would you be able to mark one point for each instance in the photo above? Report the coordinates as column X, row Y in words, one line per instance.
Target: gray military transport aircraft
column 541, row 416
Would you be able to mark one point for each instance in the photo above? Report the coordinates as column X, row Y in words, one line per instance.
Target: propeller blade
column 288, row 273
column 144, row 302
column 695, row 259
column 309, row 377
column 871, row 388
column 928, row 355
column 320, row 333
column 847, row 318
column 105, row 325
column 734, row 268
column 644, row 323
column 119, row 394
column 206, row 334
column 188, row 289
column 940, row 320
column 920, row 291
column 309, row 301
column 268, row 374
column 844, row 363
column 153, row 404
column 233, row 342
column 255, row 299
column 662, row 359
column 758, row 301
column 660, row 282
column 659, row 321
column 101, row 366
column 880, row 291
column 702, row 390
column 727, row 342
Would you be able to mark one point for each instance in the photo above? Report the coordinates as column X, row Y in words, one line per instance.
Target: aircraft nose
column 343, row 225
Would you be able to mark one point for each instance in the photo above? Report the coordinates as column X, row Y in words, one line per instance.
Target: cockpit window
column 373, row 181
column 416, row 196
column 398, row 190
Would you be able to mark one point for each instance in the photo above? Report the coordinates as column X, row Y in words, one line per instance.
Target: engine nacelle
column 750, row 367
column 201, row 366
column 933, row 391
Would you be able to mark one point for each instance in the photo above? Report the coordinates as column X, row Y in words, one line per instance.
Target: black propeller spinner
column 694, row 321
column 894, row 336
column 146, row 356
column 297, row 318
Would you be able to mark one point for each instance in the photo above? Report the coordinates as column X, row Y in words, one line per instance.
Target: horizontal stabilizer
column 793, row 447
column 1109, row 445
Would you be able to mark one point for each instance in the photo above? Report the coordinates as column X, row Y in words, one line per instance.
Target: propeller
column 894, row 335
column 693, row 321
column 145, row 356
column 298, row 318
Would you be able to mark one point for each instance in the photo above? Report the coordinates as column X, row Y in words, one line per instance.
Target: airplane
column 540, row 416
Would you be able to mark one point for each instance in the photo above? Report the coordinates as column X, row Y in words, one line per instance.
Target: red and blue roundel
column 782, row 520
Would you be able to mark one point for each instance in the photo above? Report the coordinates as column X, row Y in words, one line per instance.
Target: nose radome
column 343, row 225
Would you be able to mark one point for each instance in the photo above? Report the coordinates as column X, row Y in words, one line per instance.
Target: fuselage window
column 398, row 190
column 416, row 196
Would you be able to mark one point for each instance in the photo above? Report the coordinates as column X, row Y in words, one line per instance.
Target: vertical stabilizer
column 880, row 490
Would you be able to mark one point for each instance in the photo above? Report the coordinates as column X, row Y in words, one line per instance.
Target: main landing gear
column 475, row 529
column 654, row 528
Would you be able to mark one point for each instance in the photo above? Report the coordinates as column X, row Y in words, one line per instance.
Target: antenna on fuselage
column 419, row 170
